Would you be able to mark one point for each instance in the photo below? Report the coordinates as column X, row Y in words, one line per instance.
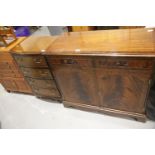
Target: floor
column 26, row 111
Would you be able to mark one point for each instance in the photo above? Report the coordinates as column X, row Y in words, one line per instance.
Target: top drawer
column 30, row 60
column 70, row 61
column 132, row 63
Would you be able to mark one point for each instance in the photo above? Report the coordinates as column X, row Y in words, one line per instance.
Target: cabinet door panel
column 76, row 84
column 123, row 89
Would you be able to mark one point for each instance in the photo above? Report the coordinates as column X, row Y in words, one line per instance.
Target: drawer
column 9, row 84
column 4, row 65
column 36, row 73
column 70, row 61
column 41, row 83
column 30, row 61
column 123, row 63
column 8, row 73
column 46, row 92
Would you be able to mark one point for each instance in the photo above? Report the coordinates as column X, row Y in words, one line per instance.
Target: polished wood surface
column 34, row 45
column 125, row 42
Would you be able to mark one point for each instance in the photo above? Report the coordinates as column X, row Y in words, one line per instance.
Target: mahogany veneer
column 34, row 67
column 105, row 71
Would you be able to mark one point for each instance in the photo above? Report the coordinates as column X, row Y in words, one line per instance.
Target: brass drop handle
column 37, row 60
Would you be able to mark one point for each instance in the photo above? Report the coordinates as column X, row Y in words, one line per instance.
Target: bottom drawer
column 41, row 83
column 16, row 85
column 46, row 92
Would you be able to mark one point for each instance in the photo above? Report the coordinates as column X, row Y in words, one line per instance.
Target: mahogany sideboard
column 10, row 76
column 34, row 67
column 105, row 71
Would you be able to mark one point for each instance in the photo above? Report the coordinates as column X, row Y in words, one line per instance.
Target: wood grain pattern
column 123, row 89
column 34, row 45
column 125, row 42
column 76, row 84
column 16, row 85
column 103, row 84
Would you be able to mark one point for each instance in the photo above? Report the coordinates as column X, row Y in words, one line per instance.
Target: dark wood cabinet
column 104, row 71
column 112, row 85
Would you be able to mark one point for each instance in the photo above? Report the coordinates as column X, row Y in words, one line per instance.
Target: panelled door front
column 77, row 84
column 123, row 89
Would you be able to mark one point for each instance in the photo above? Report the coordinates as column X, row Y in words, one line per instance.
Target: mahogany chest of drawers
column 38, row 75
column 34, row 67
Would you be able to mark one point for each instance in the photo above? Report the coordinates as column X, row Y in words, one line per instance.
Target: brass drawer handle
column 68, row 61
column 37, row 60
column 121, row 63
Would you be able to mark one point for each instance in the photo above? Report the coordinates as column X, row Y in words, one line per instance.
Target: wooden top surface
column 8, row 48
column 33, row 45
column 124, row 42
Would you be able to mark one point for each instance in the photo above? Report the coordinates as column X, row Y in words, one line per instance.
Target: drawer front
column 41, row 83
column 123, row 63
column 31, row 61
column 68, row 61
column 23, row 86
column 46, row 92
column 36, row 73
column 9, row 84
column 9, row 69
column 10, row 73
column 4, row 66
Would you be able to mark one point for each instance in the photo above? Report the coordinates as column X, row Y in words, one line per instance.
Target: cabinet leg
column 140, row 119
column 67, row 106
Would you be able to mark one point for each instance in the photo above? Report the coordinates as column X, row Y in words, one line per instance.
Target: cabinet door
column 123, row 89
column 77, row 84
